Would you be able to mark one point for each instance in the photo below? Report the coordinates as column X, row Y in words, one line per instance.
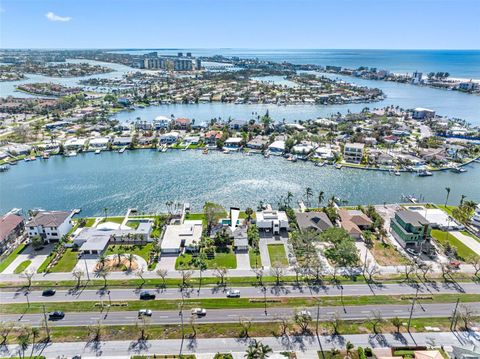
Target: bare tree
column 298, row 270
column 277, row 271
column 466, row 315
column 425, row 269
column 5, row 330
column 303, row 320
column 475, row 262
column 246, row 324
column 371, row 270
column 221, row 273
column 142, row 327
column 375, row 319
column 139, row 273
column 162, row 273
column 96, row 331
column 284, row 323
column 446, row 272
column 336, row 321
column 408, row 271
column 259, row 273
column 78, row 274
column 186, row 275
column 397, row 323
column 315, row 268
column 193, row 323
column 28, row 275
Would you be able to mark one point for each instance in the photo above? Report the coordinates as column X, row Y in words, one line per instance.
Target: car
column 199, row 311
column 57, row 315
column 412, row 252
column 48, row 292
column 233, row 293
column 145, row 295
column 145, row 312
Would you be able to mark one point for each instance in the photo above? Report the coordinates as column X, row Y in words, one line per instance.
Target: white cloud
column 53, row 17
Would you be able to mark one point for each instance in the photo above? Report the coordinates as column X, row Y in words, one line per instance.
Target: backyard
column 221, row 259
column 386, row 254
column 463, row 252
column 67, row 262
column 141, row 250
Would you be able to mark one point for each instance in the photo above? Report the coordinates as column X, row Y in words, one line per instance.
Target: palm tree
column 289, row 198
column 130, row 258
column 35, row 334
column 308, row 194
column 23, row 342
column 321, row 197
column 448, row 194
column 462, row 199
column 105, row 210
column 349, row 346
column 102, row 260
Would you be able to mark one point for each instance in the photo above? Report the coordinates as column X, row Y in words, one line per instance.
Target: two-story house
column 411, row 230
column 51, row 226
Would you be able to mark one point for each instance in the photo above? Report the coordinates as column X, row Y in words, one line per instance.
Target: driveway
column 37, row 258
column 167, row 262
column 243, row 260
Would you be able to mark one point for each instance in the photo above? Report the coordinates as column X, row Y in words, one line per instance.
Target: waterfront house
column 51, row 226
column 169, row 138
column 11, row 227
column 421, row 113
column 326, row 152
column 75, row 144
column 354, row 222
column 313, row 221
column 146, row 140
column 178, row 237
column 353, row 152
column 211, row 137
column 191, row 140
column 16, row 149
column 272, row 221
column 122, row 141
column 98, row 143
column 237, row 124
column 161, row 122
column 257, row 143
column 410, row 229
column 182, row 123
column 475, row 220
column 303, row 148
column 277, row 147
column 233, row 143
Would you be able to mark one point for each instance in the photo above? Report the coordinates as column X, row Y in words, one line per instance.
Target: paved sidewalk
column 305, row 345
column 470, row 242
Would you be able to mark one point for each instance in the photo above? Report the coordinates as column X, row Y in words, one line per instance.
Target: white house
column 277, row 147
column 353, row 152
column 193, row 140
column 179, row 236
column 161, row 122
column 51, row 226
column 325, row 153
column 421, row 113
column 74, row 144
column 272, row 221
column 303, row 148
column 99, row 142
column 169, row 138
column 233, row 142
column 122, row 141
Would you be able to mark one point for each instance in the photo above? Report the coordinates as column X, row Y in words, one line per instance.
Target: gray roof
column 413, row 218
column 48, row 219
column 240, row 237
column 315, row 220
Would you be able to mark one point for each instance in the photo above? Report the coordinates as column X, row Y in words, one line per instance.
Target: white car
column 145, row 312
column 199, row 311
column 305, row 313
column 233, row 293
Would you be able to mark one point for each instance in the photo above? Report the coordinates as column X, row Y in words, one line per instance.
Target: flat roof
column 188, row 231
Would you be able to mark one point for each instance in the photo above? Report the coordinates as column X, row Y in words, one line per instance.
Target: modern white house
column 273, row 221
column 122, row 141
column 177, row 237
column 233, row 143
column 161, row 122
column 192, row 140
column 169, row 138
column 353, row 152
column 75, row 144
column 421, row 113
column 476, row 216
column 51, row 226
column 99, row 142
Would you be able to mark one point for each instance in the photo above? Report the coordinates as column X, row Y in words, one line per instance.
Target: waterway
column 146, row 179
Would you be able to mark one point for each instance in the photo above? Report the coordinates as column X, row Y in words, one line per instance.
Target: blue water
column 146, row 179
column 459, row 63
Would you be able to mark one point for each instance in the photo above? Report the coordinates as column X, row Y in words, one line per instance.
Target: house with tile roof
column 51, row 226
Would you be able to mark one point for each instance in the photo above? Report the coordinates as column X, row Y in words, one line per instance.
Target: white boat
column 338, row 166
column 97, row 152
column 71, row 154
column 424, row 173
column 226, row 151
column 121, row 150
column 319, row 164
column 397, row 173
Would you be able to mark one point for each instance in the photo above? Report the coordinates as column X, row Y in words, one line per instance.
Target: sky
column 263, row 24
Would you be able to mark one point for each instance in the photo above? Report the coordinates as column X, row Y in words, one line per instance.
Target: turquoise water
column 146, row 179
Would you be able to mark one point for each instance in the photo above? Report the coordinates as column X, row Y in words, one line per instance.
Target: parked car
column 48, row 292
column 412, row 252
column 56, row 315
column 145, row 312
column 233, row 293
column 199, row 312
column 145, row 295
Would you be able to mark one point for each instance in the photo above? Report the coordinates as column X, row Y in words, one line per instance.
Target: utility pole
column 46, row 322
column 86, row 268
column 365, row 261
column 28, row 300
column 265, row 298
column 318, row 314
column 453, row 322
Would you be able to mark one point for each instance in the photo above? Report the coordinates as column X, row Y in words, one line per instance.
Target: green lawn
column 46, row 262
column 67, row 262
column 89, row 222
column 22, row 266
column 140, row 250
column 227, row 260
column 133, row 224
column 255, row 258
column 118, row 220
column 11, row 257
column 277, row 254
column 470, row 235
column 447, row 209
column 463, row 251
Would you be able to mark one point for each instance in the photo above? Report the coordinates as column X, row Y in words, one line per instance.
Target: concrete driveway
column 37, row 258
column 167, row 262
column 470, row 242
column 243, row 260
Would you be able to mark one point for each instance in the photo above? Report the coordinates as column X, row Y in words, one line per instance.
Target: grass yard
column 22, row 266
column 470, row 235
column 447, row 209
column 11, row 257
column 255, row 258
column 46, row 262
column 277, row 254
column 89, row 222
column 463, row 252
column 139, row 250
column 118, row 220
column 387, row 254
column 67, row 262
column 227, row 260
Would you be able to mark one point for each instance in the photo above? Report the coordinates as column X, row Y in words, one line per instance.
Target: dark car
column 56, row 315
column 48, row 292
column 147, row 295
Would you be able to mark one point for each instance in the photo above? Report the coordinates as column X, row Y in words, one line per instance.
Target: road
column 247, row 292
column 234, row 315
